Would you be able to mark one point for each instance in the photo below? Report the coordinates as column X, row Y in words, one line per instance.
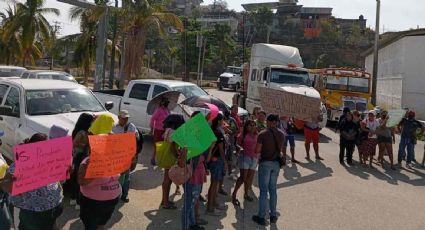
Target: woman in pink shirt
column 247, row 160
column 157, row 123
column 99, row 196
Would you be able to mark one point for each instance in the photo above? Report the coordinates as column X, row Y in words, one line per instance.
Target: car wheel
column 237, row 86
column 220, row 87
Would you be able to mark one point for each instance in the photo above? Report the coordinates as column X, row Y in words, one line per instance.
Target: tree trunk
column 114, row 34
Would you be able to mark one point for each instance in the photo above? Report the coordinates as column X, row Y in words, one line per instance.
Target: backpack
column 139, row 138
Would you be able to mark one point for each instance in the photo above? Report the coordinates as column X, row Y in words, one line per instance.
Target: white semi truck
column 281, row 68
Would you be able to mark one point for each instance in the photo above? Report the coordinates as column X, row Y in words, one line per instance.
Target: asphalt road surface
column 312, row 195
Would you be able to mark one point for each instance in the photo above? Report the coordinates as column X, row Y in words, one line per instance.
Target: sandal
column 248, row 198
column 236, row 202
column 169, row 206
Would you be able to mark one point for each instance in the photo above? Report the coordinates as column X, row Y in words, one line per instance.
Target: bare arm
column 82, row 174
column 258, row 150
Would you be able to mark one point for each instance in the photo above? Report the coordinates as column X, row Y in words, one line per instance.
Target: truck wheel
column 220, row 87
column 237, row 86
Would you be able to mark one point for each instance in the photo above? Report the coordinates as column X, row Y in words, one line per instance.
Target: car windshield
column 11, row 72
column 353, row 84
column 55, row 77
column 47, row 102
column 190, row 91
column 283, row 76
column 233, row 70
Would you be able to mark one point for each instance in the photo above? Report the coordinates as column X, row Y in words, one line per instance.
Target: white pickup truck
column 29, row 106
column 136, row 97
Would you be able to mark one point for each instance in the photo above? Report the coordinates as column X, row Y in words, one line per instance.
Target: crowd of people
column 256, row 145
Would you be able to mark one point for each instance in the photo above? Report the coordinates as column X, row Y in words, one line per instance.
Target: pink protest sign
column 41, row 163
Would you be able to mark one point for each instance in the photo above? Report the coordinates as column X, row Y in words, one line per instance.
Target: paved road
column 311, row 195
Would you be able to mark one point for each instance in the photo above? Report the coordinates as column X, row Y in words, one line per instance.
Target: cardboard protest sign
column 41, row 163
column 290, row 104
column 196, row 135
column 110, row 155
column 394, row 117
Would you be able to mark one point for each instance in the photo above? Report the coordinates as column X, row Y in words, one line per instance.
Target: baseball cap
column 273, row 117
column 123, row 114
column 372, row 112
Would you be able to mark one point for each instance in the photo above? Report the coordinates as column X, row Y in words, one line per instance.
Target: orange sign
column 110, row 155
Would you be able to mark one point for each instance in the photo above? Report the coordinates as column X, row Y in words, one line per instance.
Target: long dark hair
column 36, row 138
column 214, row 124
column 83, row 123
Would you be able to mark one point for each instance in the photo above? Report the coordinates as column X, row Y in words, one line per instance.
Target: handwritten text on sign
column 289, row 104
column 110, row 155
column 41, row 163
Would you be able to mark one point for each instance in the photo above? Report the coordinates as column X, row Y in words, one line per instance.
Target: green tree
column 328, row 33
column 85, row 48
column 33, row 27
column 138, row 17
column 262, row 20
column 10, row 45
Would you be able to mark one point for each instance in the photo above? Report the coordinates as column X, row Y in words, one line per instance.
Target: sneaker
column 77, row 207
column 221, row 207
column 259, row 220
column 222, row 192
column 202, row 199
column 273, row 219
column 72, row 202
column 201, row 221
column 196, row 227
column 213, row 213
column 125, row 200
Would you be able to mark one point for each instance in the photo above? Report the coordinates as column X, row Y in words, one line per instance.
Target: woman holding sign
column 39, row 208
column 100, row 195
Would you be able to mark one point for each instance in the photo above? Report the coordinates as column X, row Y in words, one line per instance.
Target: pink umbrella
column 213, row 111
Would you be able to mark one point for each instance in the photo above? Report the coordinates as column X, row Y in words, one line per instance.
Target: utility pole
column 186, row 70
column 101, row 38
column 199, row 42
column 375, row 54
column 56, row 28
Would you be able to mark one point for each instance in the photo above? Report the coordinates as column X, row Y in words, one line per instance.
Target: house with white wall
column 401, row 71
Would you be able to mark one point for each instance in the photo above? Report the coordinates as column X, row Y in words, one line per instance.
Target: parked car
column 48, row 74
column 7, row 71
column 29, row 106
column 136, row 97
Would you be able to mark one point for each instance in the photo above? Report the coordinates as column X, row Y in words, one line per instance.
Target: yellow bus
column 343, row 87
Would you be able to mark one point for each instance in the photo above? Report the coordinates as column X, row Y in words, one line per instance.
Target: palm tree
column 10, row 46
column 33, row 27
column 138, row 17
column 85, row 49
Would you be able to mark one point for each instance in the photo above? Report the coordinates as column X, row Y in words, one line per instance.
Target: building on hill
column 184, row 7
column 308, row 18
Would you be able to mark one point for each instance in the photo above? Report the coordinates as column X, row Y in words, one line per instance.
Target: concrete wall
column 414, row 74
column 401, row 75
column 390, row 75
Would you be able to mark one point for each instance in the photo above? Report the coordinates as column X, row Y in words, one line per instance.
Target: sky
column 396, row 15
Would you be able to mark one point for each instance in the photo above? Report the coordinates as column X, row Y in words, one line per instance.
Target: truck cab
column 277, row 67
column 231, row 78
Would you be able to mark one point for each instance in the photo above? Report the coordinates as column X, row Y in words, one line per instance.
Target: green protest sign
column 196, row 135
column 395, row 117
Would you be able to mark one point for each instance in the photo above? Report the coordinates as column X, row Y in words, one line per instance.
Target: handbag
column 179, row 175
column 164, row 158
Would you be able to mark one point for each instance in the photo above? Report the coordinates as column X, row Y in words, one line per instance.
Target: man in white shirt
column 124, row 127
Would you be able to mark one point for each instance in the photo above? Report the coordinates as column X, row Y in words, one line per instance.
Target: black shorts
column 39, row 220
column 94, row 213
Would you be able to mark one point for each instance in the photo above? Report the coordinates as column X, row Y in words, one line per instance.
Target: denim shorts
column 290, row 139
column 246, row 162
column 216, row 168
